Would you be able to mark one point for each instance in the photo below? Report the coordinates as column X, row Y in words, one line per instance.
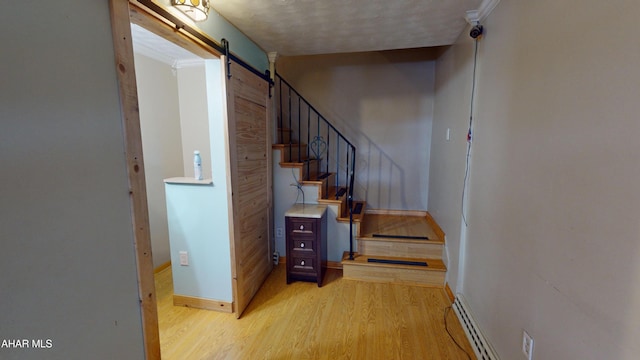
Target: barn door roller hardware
column 225, row 46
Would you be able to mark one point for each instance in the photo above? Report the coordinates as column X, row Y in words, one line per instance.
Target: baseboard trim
column 396, row 212
column 162, row 267
column 481, row 347
column 201, row 303
column 447, row 289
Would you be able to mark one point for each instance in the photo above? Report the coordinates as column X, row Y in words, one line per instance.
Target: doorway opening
column 245, row 112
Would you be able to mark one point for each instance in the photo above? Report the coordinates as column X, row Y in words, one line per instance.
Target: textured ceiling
column 305, row 27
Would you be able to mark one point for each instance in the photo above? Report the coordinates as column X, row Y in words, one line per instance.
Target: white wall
column 285, row 196
column 454, row 71
column 383, row 103
column 192, row 92
column 552, row 243
column 161, row 141
column 67, row 260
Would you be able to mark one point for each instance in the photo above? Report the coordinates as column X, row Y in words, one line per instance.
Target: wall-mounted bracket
column 267, row 73
column 475, row 17
column 225, row 46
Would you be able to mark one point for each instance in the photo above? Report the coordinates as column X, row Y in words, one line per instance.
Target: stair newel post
column 350, row 202
column 346, row 171
column 328, row 143
column 290, row 128
column 338, row 163
column 308, row 138
column 280, row 132
column 318, row 130
column 299, row 134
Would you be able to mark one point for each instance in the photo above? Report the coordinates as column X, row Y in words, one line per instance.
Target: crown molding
column 150, row 52
column 474, row 17
column 188, row 63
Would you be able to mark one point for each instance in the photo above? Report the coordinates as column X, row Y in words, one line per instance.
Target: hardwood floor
column 343, row 319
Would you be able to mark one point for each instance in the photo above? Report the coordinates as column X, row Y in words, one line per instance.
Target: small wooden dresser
column 306, row 227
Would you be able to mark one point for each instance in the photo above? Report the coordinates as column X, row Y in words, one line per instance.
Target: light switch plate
column 527, row 345
column 184, row 258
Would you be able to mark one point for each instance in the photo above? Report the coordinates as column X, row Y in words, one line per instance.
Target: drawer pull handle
column 301, row 245
column 302, row 263
column 301, row 227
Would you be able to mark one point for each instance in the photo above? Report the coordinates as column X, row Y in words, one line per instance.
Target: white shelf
column 188, row 181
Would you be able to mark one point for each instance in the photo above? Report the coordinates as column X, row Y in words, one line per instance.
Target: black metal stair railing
column 327, row 151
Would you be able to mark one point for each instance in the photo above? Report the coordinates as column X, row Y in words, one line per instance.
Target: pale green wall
column 67, row 260
column 218, row 28
column 552, row 243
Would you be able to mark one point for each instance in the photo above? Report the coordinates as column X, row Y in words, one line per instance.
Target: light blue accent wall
column 219, row 28
column 199, row 225
column 198, row 215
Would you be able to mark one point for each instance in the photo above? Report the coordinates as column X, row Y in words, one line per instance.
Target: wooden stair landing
column 405, row 227
column 398, row 239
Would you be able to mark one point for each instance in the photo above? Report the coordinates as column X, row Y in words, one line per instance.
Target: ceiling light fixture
column 197, row 10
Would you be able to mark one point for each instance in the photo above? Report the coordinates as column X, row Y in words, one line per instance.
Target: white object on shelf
column 197, row 165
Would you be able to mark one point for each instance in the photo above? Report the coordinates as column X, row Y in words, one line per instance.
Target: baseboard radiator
column 480, row 346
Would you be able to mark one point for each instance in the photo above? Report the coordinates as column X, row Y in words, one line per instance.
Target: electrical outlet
column 184, row 258
column 527, row 345
column 279, row 232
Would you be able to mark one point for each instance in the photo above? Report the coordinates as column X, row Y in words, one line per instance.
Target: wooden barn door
column 248, row 113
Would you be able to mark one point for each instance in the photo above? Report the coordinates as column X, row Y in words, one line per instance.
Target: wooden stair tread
column 329, row 201
column 330, row 196
column 297, row 163
column 282, row 146
column 356, row 217
column 315, row 180
column 312, row 182
column 363, row 260
column 369, row 237
column 292, row 152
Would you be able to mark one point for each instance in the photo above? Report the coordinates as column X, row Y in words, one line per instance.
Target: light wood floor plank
column 341, row 320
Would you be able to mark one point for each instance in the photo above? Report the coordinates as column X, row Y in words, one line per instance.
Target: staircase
column 392, row 247
column 398, row 247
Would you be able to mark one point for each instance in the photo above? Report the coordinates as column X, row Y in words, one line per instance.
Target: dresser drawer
column 302, row 227
column 303, row 245
column 303, row 264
